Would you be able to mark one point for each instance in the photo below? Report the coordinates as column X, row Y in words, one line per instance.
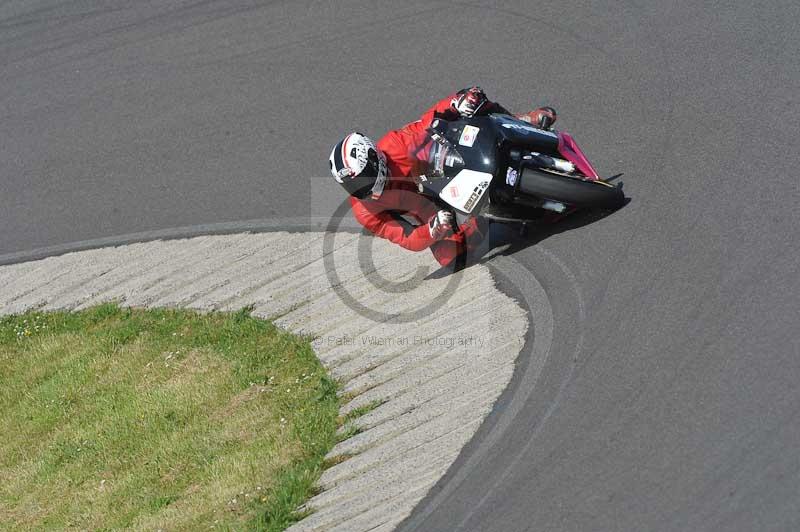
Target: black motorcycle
column 504, row 169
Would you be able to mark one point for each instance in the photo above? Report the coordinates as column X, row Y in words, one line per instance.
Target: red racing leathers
column 406, row 157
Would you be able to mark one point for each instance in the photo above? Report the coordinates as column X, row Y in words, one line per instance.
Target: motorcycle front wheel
column 569, row 190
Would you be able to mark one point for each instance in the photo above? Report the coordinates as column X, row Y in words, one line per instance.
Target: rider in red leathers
column 383, row 194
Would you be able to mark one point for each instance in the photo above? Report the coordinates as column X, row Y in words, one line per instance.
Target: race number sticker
column 466, row 189
column 468, row 136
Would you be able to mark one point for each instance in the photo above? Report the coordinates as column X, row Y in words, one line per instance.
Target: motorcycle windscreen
column 442, row 155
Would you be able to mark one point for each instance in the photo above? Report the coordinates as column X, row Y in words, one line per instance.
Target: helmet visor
column 373, row 166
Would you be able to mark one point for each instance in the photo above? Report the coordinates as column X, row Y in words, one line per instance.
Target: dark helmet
column 359, row 166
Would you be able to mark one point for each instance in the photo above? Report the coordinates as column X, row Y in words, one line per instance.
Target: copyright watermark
column 447, row 342
column 402, row 287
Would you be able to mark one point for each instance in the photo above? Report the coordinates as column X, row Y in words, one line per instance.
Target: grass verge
column 158, row 419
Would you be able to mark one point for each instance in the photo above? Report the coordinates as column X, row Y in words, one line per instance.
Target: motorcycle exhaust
column 554, row 163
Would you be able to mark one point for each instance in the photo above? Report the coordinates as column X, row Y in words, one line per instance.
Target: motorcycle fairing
column 465, row 191
column 569, row 149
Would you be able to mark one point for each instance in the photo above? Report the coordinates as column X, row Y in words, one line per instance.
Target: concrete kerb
column 434, row 380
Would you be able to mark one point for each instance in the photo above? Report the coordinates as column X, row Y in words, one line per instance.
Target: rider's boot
column 542, row 117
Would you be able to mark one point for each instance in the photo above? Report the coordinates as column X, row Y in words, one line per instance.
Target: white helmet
column 359, row 166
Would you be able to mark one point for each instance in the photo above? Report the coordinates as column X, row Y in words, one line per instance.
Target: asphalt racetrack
column 669, row 399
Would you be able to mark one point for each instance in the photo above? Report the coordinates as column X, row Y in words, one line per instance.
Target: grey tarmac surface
column 669, row 399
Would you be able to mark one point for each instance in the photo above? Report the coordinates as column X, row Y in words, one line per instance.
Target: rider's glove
column 441, row 224
column 469, row 101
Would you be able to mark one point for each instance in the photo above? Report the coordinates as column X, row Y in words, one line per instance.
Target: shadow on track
column 505, row 239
